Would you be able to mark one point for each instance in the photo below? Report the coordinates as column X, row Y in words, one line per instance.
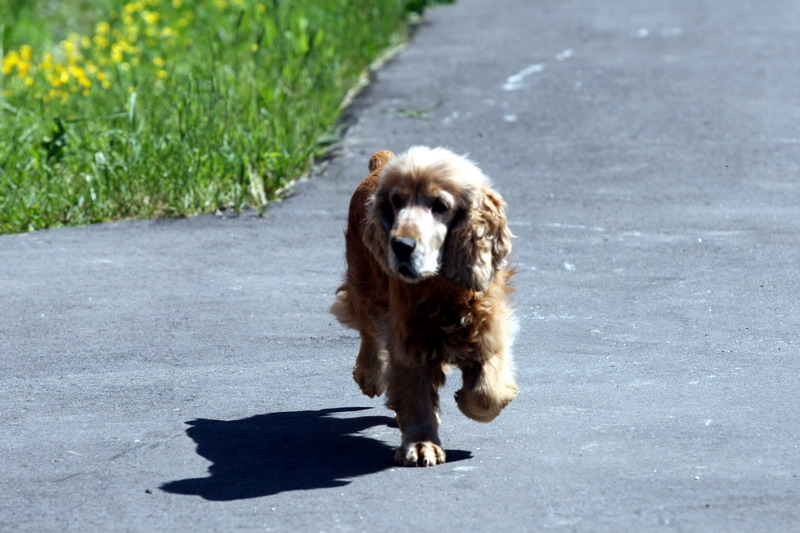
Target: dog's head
column 434, row 213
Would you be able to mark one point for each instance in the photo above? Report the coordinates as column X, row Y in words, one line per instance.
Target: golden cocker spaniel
column 427, row 286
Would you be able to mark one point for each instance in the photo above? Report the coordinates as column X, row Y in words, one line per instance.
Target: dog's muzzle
column 403, row 249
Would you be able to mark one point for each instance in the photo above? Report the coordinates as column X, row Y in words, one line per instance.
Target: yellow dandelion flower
column 151, row 17
column 28, row 81
column 10, row 61
column 106, row 84
column 131, row 33
column 47, row 61
column 68, row 46
column 262, row 8
column 102, row 28
column 25, row 52
column 159, row 62
column 76, row 71
column 162, row 74
column 100, row 41
column 177, row 4
column 168, row 32
column 254, row 47
column 222, row 4
column 70, row 50
column 23, row 67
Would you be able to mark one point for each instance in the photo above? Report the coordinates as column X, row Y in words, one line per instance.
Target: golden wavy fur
column 427, row 286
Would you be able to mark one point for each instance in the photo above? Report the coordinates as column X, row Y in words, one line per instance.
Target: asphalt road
column 184, row 375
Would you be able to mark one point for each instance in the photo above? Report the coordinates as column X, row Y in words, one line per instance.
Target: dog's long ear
column 478, row 244
column 373, row 226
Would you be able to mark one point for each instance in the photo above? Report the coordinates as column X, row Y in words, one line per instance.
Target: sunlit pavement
column 184, row 375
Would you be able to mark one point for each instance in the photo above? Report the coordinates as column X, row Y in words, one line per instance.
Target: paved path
column 184, row 375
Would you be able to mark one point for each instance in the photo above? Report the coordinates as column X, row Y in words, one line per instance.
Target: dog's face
column 433, row 213
column 416, row 213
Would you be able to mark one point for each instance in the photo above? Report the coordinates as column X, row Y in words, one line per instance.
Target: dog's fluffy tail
column 379, row 159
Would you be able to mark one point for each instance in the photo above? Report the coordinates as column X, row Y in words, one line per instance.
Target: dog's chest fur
column 440, row 325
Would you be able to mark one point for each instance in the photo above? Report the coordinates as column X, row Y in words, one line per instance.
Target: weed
column 112, row 110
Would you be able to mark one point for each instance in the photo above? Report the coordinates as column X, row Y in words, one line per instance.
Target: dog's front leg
column 370, row 366
column 412, row 393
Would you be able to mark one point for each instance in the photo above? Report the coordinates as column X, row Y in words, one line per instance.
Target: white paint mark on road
column 550, row 318
column 566, row 54
column 572, row 226
column 569, row 267
column 514, row 83
column 664, row 32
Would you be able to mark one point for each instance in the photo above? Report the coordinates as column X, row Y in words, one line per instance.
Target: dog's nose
column 403, row 246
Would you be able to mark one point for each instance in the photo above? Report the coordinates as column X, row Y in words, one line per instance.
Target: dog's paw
column 369, row 381
column 424, row 453
column 485, row 407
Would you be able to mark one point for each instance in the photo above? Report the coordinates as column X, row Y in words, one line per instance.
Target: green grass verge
column 112, row 110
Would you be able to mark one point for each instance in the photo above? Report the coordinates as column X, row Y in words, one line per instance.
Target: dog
column 427, row 287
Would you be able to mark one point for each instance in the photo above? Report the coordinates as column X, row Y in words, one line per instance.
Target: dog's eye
column 439, row 206
column 397, row 201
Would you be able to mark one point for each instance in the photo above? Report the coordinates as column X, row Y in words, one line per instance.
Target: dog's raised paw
column 482, row 406
column 370, row 382
column 423, row 453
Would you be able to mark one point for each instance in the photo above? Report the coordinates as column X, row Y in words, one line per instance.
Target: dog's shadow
column 272, row 453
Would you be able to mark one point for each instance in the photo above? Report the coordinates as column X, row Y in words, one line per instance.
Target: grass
column 150, row 108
